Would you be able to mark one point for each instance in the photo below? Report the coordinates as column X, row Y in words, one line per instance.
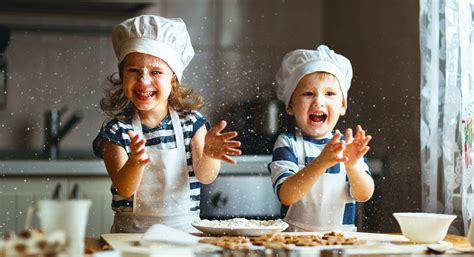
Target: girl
column 156, row 148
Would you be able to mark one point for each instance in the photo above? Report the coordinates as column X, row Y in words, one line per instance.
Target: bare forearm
column 128, row 178
column 207, row 169
column 295, row 187
column 362, row 185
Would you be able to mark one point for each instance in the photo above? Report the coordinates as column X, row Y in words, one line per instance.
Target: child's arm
column 209, row 148
column 126, row 172
column 362, row 185
column 294, row 188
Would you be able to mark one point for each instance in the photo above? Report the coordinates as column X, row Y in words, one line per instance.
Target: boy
column 314, row 171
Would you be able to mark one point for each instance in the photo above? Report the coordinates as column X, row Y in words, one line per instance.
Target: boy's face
column 146, row 81
column 317, row 103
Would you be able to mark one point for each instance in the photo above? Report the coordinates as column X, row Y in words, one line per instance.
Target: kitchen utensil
column 74, row 192
column 57, row 192
column 422, row 227
column 29, row 217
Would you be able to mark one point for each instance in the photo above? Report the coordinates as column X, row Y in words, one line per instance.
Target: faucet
column 54, row 131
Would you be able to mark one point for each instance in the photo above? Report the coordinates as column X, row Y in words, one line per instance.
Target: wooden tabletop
column 458, row 241
column 94, row 244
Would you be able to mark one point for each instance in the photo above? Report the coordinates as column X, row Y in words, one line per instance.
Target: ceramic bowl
column 420, row 227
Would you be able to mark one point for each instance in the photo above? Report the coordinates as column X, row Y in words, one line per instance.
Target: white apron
column 322, row 208
column 163, row 195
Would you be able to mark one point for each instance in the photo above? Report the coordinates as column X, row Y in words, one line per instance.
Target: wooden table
column 459, row 242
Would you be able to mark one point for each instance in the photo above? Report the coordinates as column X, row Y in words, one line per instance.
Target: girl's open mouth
column 318, row 117
column 144, row 95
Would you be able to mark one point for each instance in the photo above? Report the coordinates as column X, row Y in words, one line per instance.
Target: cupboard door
column 97, row 189
column 17, row 194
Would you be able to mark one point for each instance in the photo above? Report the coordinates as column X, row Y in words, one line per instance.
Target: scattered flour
column 241, row 223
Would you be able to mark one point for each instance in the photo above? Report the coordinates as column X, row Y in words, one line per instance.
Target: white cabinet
column 19, row 193
column 101, row 215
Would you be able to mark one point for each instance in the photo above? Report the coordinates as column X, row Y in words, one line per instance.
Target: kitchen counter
column 41, row 168
column 246, row 165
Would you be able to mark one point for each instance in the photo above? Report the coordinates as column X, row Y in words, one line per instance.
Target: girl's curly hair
column 116, row 105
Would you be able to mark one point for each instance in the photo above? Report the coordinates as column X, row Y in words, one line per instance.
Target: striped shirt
column 285, row 164
column 161, row 137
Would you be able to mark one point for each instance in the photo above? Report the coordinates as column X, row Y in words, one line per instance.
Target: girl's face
column 147, row 81
column 317, row 103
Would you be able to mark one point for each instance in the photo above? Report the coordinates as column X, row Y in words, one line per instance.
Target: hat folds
column 298, row 63
column 166, row 38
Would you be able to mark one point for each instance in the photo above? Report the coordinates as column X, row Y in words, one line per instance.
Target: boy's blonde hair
column 323, row 75
column 116, row 104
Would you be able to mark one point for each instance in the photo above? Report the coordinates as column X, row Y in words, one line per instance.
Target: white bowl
column 422, row 227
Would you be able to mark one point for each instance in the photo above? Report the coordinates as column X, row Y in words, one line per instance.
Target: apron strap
column 300, row 149
column 137, row 125
column 178, row 130
column 178, row 133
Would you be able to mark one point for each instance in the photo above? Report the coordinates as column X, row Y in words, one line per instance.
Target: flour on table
column 241, row 223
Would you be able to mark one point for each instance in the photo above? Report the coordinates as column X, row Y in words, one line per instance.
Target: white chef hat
column 165, row 38
column 298, row 63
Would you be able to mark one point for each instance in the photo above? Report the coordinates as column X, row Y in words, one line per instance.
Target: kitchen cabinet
column 97, row 189
column 19, row 193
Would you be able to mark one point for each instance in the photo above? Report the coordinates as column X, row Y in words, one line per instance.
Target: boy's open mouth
column 318, row 117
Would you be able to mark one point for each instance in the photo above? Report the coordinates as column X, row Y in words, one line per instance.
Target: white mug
column 69, row 216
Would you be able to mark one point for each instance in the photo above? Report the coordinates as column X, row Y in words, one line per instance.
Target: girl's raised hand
column 138, row 152
column 356, row 147
column 333, row 151
column 219, row 145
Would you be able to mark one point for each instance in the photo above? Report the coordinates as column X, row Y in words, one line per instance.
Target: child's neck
column 153, row 118
column 329, row 135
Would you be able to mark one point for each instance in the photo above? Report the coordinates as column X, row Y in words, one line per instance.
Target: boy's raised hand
column 219, row 145
column 333, row 151
column 137, row 147
column 356, row 147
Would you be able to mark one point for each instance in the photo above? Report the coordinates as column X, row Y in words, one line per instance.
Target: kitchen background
column 60, row 56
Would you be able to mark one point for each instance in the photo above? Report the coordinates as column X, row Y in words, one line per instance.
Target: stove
column 241, row 190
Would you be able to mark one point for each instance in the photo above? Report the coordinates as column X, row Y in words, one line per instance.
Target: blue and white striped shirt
column 161, row 137
column 285, row 164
